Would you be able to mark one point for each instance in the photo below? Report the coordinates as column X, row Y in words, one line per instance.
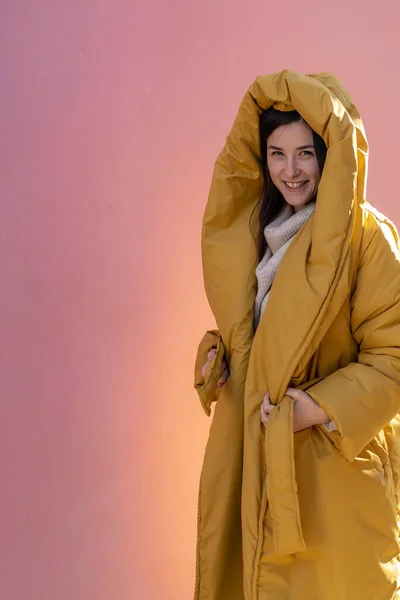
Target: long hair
column 272, row 201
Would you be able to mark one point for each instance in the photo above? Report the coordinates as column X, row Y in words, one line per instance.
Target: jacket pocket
column 207, row 387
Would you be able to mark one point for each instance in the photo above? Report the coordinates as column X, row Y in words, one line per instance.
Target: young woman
column 301, row 477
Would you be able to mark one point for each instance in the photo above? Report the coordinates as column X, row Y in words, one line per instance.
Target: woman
column 300, row 502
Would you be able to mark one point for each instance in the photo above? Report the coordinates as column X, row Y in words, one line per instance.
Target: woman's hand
column 306, row 411
column 224, row 367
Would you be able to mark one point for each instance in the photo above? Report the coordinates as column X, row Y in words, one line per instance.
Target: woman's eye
column 276, row 152
column 307, row 152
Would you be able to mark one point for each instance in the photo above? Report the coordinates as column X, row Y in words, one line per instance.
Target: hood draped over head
column 228, row 249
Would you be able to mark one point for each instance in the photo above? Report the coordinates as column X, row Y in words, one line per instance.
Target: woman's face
column 292, row 163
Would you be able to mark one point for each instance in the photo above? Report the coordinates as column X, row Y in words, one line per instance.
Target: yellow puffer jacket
column 311, row 515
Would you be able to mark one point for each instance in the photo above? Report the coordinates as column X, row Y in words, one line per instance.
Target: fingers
column 224, row 368
column 265, row 414
column 210, row 356
column 224, row 374
column 266, row 408
column 267, row 399
column 212, row 353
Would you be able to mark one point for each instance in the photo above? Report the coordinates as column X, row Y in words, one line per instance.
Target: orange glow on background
column 112, row 114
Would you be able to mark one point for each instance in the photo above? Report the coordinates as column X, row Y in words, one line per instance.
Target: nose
column 292, row 169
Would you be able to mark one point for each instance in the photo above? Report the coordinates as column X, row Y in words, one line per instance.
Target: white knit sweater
column 278, row 234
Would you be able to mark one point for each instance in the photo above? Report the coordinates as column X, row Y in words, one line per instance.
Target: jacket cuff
column 330, row 426
column 207, row 387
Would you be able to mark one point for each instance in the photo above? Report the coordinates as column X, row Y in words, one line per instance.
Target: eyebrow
column 299, row 148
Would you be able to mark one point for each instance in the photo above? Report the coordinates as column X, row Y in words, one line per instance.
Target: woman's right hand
column 224, row 367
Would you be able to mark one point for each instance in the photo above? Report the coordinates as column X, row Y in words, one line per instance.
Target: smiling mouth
column 295, row 185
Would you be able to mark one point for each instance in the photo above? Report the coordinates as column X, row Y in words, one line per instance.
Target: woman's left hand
column 306, row 411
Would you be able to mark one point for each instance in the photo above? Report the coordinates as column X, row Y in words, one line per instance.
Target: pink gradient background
column 112, row 114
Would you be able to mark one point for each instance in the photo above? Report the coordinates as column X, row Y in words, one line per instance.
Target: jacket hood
column 228, row 248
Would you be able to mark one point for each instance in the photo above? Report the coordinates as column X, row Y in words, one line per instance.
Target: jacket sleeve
column 363, row 397
column 207, row 387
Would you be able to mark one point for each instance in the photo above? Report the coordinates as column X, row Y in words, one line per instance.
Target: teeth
column 295, row 185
